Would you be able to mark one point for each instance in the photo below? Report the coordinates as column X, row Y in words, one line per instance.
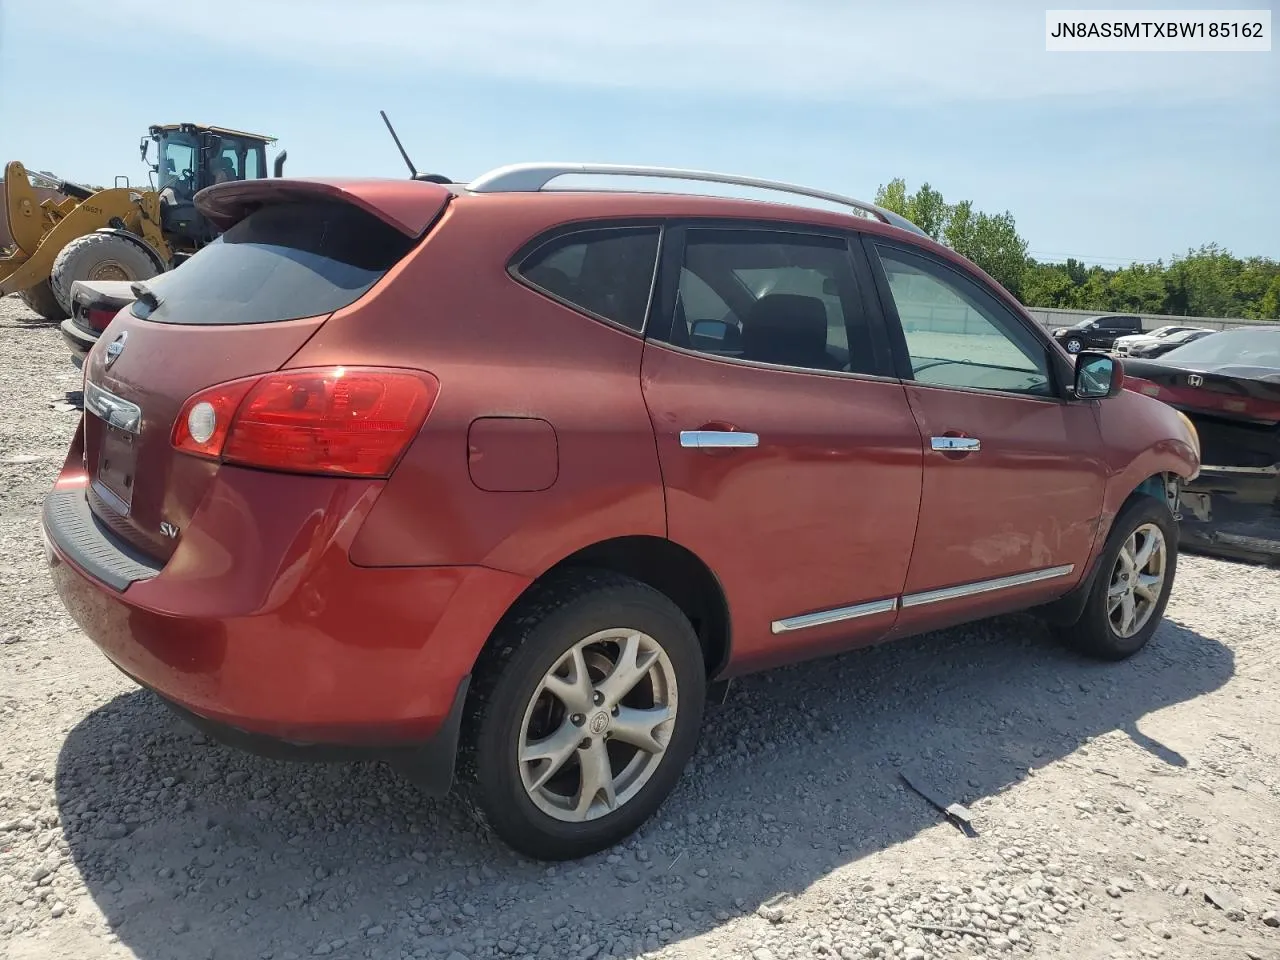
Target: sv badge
column 168, row 530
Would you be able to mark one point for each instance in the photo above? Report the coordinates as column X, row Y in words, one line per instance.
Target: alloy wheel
column 1137, row 580
column 598, row 725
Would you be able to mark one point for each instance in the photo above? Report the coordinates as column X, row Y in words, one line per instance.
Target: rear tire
column 1126, row 603
column 98, row 256
column 562, row 752
column 40, row 300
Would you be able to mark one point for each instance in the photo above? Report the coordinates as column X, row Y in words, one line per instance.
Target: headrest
column 786, row 328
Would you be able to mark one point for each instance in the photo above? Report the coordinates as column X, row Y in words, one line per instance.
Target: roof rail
column 533, row 177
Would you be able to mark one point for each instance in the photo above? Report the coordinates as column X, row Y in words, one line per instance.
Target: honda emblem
column 1195, row 380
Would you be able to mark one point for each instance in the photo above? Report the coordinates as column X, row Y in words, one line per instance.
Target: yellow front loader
column 119, row 227
column 122, row 232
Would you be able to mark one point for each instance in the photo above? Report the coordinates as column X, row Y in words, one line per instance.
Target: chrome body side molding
column 824, row 618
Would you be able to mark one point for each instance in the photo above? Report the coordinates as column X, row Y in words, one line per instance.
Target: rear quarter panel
column 499, row 350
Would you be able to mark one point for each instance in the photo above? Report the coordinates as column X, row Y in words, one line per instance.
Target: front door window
column 955, row 339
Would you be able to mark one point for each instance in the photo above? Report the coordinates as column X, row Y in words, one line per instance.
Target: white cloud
column 835, row 50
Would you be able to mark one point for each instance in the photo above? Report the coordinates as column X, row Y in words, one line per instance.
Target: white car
column 1124, row 345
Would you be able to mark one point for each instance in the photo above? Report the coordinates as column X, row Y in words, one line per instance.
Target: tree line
column 1206, row 282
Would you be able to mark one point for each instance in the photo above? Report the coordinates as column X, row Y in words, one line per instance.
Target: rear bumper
column 264, row 632
column 78, row 341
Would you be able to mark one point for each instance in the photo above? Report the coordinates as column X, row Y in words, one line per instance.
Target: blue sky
column 1106, row 157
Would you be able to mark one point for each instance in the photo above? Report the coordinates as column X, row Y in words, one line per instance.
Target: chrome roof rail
column 533, row 177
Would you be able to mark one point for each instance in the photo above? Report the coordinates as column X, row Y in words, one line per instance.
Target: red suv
column 499, row 483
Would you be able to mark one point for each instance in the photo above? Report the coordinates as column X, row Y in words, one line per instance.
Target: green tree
column 1208, row 282
column 1269, row 305
column 992, row 242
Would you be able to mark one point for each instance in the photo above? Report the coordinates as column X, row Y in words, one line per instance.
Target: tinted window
column 1120, row 323
column 770, row 297
column 956, row 335
column 282, row 262
column 606, row 272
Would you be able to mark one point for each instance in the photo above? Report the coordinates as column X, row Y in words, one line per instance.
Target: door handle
column 717, row 439
column 956, row 444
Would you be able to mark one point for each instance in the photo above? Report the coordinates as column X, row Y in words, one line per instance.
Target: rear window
column 282, row 262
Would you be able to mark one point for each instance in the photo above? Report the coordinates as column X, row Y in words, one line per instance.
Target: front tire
column 40, row 300
column 1134, row 579
column 98, row 256
column 585, row 709
column 1074, row 345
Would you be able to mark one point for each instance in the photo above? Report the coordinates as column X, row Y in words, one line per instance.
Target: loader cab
column 190, row 157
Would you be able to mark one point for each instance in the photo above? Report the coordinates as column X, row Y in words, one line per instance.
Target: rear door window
column 775, row 297
column 606, row 272
column 282, row 262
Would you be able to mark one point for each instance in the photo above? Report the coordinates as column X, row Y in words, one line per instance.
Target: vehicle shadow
column 193, row 850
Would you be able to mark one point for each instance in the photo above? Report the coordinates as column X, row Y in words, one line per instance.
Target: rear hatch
column 293, row 253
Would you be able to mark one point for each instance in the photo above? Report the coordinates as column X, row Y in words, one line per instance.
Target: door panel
column 1028, row 499
column 1013, row 485
column 790, row 457
column 817, row 517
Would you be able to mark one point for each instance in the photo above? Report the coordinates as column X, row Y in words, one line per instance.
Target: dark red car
column 498, row 482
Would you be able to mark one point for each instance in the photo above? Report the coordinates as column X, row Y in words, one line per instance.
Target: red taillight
column 353, row 421
column 222, row 402
column 98, row 318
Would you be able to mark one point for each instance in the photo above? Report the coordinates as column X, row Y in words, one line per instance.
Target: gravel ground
column 1109, row 803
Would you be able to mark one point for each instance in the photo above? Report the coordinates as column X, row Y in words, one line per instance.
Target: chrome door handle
column 711, row 439
column 956, row 444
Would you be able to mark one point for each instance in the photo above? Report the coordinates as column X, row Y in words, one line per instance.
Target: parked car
column 1123, row 344
column 1097, row 333
column 1229, row 386
column 94, row 304
column 378, row 474
column 1157, row 348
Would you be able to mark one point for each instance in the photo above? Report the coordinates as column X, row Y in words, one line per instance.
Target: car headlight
column 1191, row 429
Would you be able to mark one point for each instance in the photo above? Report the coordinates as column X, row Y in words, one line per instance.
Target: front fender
column 1142, row 438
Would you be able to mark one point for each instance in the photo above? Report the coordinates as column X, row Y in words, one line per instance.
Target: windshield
column 1251, row 347
column 176, row 160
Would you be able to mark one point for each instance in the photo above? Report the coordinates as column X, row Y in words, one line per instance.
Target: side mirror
column 1098, row 376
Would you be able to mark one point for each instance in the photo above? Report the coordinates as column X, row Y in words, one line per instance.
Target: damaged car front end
column 1228, row 386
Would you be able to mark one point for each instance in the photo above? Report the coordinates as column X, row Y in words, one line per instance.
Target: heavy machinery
column 121, row 232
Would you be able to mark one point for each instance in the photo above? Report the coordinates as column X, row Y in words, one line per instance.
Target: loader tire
column 98, row 256
column 40, row 300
